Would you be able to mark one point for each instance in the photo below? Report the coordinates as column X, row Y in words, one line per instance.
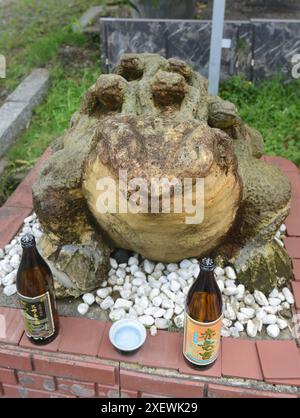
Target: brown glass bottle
column 36, row 294
column 203, row 318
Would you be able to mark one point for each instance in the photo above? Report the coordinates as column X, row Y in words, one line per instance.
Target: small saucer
column 127, row 335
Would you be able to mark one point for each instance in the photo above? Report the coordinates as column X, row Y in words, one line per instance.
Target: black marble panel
column 259, row 49
column 275, row 43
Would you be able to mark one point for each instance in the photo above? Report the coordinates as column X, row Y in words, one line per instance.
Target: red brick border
column 69, row 367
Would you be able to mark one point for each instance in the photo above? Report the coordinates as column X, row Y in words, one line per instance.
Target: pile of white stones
column 155, row 293
column 10, row 255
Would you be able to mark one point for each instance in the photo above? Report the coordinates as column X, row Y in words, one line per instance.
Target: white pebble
column 285, row 305
column 140, row 275
column 113, row 263
column 282, row 228
column 269, row 319
column 282, row 323
column 172, row 276
column 83, row 308
column 157, row 301
column 234, row 332
column 226, row 322
column 9, row 278
column 175, row 286
column 154, row 292
column 146, row 320
column 144, row 302
column 138, row 308
column 103, row 293
column 230, row 273
column 148, row 266
column 107, row 303
column 88, row 298
column 242, row 317
column 134, row 268
column 167, row 304
column 185, row 264
column 125, row 294
column 274, row 293
column 249, row 312
column 288, row 295
column 153, row 331
column 179, row 320
column 151, row 311
column 172, row 267
column 239, row 326
column 159, row 313
column 251, row 329
column 159, row 267
column 5, row 266
column 132, row 261
column 249, row 300
column 169, row 314
column 123, row 304
column 273, row 331
column 271, row 309
column 274, row 301
column 230, row 283
column 162, row 323
column 229, row 312
column 178, row 309
column 137, row 282
column 15, row 261
column 221, row 285
column 260, row 298
column 117, row 314
column 219, row 271
column 229, row 291
column 260, row 314
column 240, row 291
column 121, row 273
column 225, row 332
column 36, row 232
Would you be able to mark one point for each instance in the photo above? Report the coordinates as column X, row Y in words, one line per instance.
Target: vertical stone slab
column 244, row 50
column 119, row 36
column 275, row 43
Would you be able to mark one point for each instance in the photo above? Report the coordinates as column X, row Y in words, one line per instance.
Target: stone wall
column 259, row 48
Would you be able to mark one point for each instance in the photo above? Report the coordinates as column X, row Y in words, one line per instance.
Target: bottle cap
column 27, row 241
column 207, row 263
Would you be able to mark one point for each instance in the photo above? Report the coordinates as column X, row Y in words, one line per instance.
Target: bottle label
column 38, row 317
column 201, row 340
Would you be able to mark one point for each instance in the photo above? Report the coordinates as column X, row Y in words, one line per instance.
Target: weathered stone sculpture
column 155, row 119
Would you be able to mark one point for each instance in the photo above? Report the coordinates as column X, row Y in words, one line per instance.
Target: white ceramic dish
column 127, row 335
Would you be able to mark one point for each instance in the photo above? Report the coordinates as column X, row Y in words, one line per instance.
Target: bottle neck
column 205, row 280
column 30, row 256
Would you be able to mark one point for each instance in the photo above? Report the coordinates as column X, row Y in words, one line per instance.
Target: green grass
column 52, row 117
column 32, row 30
column 31, row 33
column 273, row 108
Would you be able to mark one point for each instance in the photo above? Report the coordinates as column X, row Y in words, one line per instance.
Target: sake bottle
column 36, row 294
column 203, row 318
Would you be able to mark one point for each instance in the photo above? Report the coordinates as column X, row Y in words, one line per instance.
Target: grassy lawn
column 32, row 32
column 272, row 107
